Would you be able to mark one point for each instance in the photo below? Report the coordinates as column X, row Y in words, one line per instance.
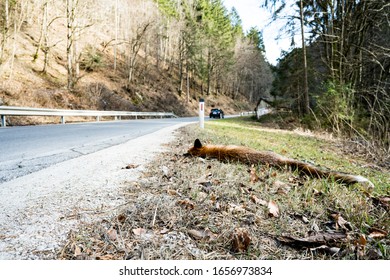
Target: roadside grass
column 192, row 208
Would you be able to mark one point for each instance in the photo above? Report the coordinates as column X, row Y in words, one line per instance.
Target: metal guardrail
column 248, row 113
column 26, row 111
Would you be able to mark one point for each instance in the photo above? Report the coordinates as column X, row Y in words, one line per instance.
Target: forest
column 338, row 76
column 198, row 48
column 111, row 54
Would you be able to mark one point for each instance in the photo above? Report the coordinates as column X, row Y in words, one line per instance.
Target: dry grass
column 190, row 208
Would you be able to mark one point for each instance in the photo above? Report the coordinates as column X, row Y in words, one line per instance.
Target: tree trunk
column 116, row 34
column 306, row 103
column 4, row 31
column 70, row 41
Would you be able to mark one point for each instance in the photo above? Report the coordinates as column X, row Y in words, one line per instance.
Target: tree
column 304, row 99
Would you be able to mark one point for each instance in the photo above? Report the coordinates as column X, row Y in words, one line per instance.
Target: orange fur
column 247, row 155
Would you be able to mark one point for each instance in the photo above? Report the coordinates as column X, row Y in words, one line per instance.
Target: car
column 216, row 113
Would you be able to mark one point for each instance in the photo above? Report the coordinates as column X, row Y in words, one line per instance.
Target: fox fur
column 250, row 156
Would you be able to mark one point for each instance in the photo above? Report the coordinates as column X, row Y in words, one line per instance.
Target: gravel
column 37, row 211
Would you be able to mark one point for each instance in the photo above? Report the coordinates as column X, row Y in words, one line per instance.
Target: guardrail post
column 3, row 121
column 97, row 118
column 201, row 113
column 62, row 119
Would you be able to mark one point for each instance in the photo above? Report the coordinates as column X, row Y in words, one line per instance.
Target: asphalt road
column 27, row 149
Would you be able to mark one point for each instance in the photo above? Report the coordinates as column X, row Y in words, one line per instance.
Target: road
column 24, row 150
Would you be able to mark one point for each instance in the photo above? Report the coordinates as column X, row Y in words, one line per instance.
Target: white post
column 3, row 121
column 201, row 113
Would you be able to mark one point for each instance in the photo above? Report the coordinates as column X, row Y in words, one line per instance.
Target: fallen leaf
column 383, row 201
column 341, row 222
column 173, row 192
column 362, row 240
column 187, row 204
column 234, row 209
column 240, row 240
column 302, row 217
column 197, row 234
column 257, row 200
column 273, row 209
column 361, row 245
column 377, row 233
column 139, row 231
column 77, row 251
column 326, row 249
column 202, row 234
column 279, row 184
column 112, row 234
column 164, row 231
column 317, row 192
column 317, row 240
column 282, row 188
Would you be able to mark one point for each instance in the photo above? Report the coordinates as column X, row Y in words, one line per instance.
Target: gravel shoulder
column 38, row 210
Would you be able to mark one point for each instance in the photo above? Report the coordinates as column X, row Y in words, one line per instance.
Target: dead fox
column 247, row 155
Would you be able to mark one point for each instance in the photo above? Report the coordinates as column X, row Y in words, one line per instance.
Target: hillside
column 136, row 68
column 101, row 89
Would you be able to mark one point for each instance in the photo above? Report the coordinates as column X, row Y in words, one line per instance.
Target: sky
column 252, row 15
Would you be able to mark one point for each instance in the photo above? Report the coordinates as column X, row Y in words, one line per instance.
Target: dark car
column 217, row 114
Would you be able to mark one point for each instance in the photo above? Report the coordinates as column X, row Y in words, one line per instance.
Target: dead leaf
column 273, row 209
column 139, row 231
column 164, row 231
column 377, row 233
column 383, row 201
column 173, row 192
column 341, row 222
column 362, row 240
column 77, row 251
column 187, row 204
column 361, row 245
column 205, row 234
column 282, row 188
column 317, row 240
column 112, row 234
column 253, row 176
column 240, row 240
column 197, row 234
column 326, row 249
column 105, row 257
column 257, row 200
column 317, row 192
column 234, row 209
column 302, row 217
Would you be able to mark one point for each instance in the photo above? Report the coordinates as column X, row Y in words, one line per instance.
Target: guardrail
column 26, row 111
column 248, row 113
